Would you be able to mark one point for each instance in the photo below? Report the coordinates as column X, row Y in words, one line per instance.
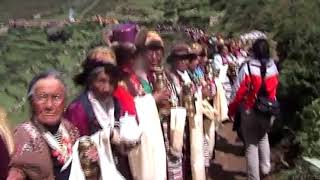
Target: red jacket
column 247, row 98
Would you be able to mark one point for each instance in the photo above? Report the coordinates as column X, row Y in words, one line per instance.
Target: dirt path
column 229, row 163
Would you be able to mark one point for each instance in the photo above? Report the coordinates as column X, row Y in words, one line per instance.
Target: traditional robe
column 193, row 158
column 221, row 63
column 5, row 158
column 32, row 155
column 80, row 113
column 147, row 160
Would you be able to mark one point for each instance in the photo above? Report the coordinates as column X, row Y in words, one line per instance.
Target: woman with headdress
column 43, row 144
column 224, row 63
column 202, row 73
column 190, row 97
column 6, row 144
column 150, row 48
column 96, row 110
column 147, row 160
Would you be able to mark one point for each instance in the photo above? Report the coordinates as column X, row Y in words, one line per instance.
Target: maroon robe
column 4, row 159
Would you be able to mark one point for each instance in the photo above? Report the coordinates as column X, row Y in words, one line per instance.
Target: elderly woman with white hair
column 43, row 144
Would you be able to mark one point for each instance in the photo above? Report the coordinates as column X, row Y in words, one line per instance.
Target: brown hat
column 196, row 48
column 199, row 49
column 102, row 54
column 148, row 39
column 182, row 50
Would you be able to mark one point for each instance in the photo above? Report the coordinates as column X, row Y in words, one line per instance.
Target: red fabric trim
column 126, row 100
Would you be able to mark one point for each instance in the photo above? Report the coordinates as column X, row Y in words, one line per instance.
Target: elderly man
column 43, row 144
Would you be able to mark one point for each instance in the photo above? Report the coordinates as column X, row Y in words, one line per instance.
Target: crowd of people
column 143, row 117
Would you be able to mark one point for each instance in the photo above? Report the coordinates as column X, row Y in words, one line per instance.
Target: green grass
column 25, row 53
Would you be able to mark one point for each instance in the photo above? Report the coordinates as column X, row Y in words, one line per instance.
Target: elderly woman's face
column 182, row 63
column 193, row 64
column 48, row 101
column 153, row 57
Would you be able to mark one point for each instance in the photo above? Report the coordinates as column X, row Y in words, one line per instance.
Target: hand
column 92, row 154
column 126, row 146
column 115, row 138
column 206, row 92
column 163, row 94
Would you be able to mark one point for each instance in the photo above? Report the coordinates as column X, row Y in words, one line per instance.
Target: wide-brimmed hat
column 181, row 51
column 146, row 39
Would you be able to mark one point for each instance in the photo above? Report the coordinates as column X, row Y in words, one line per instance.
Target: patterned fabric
column 206, row 153
column 32, row 154
column 174, row 165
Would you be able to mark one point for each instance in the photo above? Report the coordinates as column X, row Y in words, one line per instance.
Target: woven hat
column 181, row 51
column 102, row 54
column 148, row 39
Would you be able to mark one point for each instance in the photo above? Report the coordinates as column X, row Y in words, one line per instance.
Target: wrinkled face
column 181, row 63
column 203, row 59
column 239, row 44
column 193, row 64
column 48, row 101
column 153, row 57
column 102, row 86
column 225, row 50
column 233, row 47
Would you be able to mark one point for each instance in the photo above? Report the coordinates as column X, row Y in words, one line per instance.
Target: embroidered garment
column 32, row 153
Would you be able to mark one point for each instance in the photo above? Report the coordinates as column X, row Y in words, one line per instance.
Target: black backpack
column 263, row 104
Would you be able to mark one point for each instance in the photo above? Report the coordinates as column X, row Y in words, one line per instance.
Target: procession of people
column 142, row 115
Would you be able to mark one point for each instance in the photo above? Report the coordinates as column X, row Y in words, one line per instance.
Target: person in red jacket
column 254, row 126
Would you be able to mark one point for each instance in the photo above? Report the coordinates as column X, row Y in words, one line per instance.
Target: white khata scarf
column 104, row 111
column 60, row 143
column 185, row 77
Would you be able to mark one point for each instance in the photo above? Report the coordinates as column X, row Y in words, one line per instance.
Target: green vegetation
column 26, row 52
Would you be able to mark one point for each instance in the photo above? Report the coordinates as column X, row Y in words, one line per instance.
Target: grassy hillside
column 26, row 52
column 59, row 8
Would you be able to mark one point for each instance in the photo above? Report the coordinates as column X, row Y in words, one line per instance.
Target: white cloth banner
column 177, row 123
column 148, row 160
column 196, row 141
column 107, row 167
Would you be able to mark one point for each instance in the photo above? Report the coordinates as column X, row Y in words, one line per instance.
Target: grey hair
column 50, row 73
